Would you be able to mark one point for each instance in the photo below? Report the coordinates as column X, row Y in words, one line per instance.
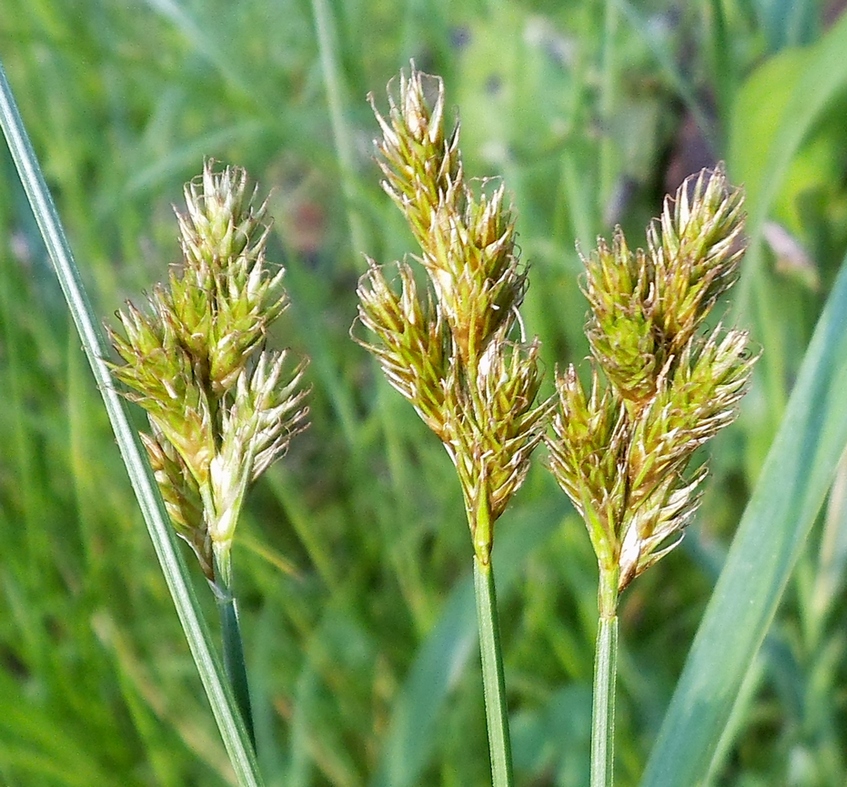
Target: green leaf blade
column 775, row 525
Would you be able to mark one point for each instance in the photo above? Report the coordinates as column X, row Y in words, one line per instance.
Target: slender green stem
column 608, row 87
column 493, row 679
column 605, row 676
column 233, row 644
column 333, row 75
column 231, row 726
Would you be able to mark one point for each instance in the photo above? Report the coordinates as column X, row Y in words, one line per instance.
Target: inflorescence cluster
column 221, row 407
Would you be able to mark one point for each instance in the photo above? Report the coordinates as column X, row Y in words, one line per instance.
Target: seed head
column 622, row 453
column 447, row 346
column 221, row 407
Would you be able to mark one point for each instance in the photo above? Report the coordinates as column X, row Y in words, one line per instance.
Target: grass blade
column 823, row 78
column 226, row 714
column 796, row 476
column 334, row 83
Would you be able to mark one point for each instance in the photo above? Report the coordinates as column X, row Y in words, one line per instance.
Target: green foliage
column 357, row 603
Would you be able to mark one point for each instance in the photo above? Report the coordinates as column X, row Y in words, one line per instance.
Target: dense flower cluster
column 448, row 347
column 221, row 407
column 660, row 386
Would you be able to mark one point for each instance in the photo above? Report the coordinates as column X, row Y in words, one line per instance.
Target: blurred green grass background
column 353, row 559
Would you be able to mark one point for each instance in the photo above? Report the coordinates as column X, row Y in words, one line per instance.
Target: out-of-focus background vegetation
column 353, row 560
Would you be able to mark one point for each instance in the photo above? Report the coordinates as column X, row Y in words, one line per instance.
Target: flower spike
column 660, row 388
column 221, row 407
column 447, row 346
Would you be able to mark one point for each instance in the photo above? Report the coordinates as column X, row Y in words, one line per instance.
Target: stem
column 493, row 679
column 343, row 136
column 605, row 675
column 608, row 87
column 233, row 644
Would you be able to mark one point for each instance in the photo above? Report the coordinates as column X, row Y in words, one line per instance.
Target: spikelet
column 221, row 407
column 660, row 388
column 448, row 347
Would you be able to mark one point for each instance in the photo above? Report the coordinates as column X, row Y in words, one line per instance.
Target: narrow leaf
column 785, row 503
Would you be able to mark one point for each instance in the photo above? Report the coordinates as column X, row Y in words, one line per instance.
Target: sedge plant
column 229, row 718
column 662, row 384
column 453, row 346
column 221, row 407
